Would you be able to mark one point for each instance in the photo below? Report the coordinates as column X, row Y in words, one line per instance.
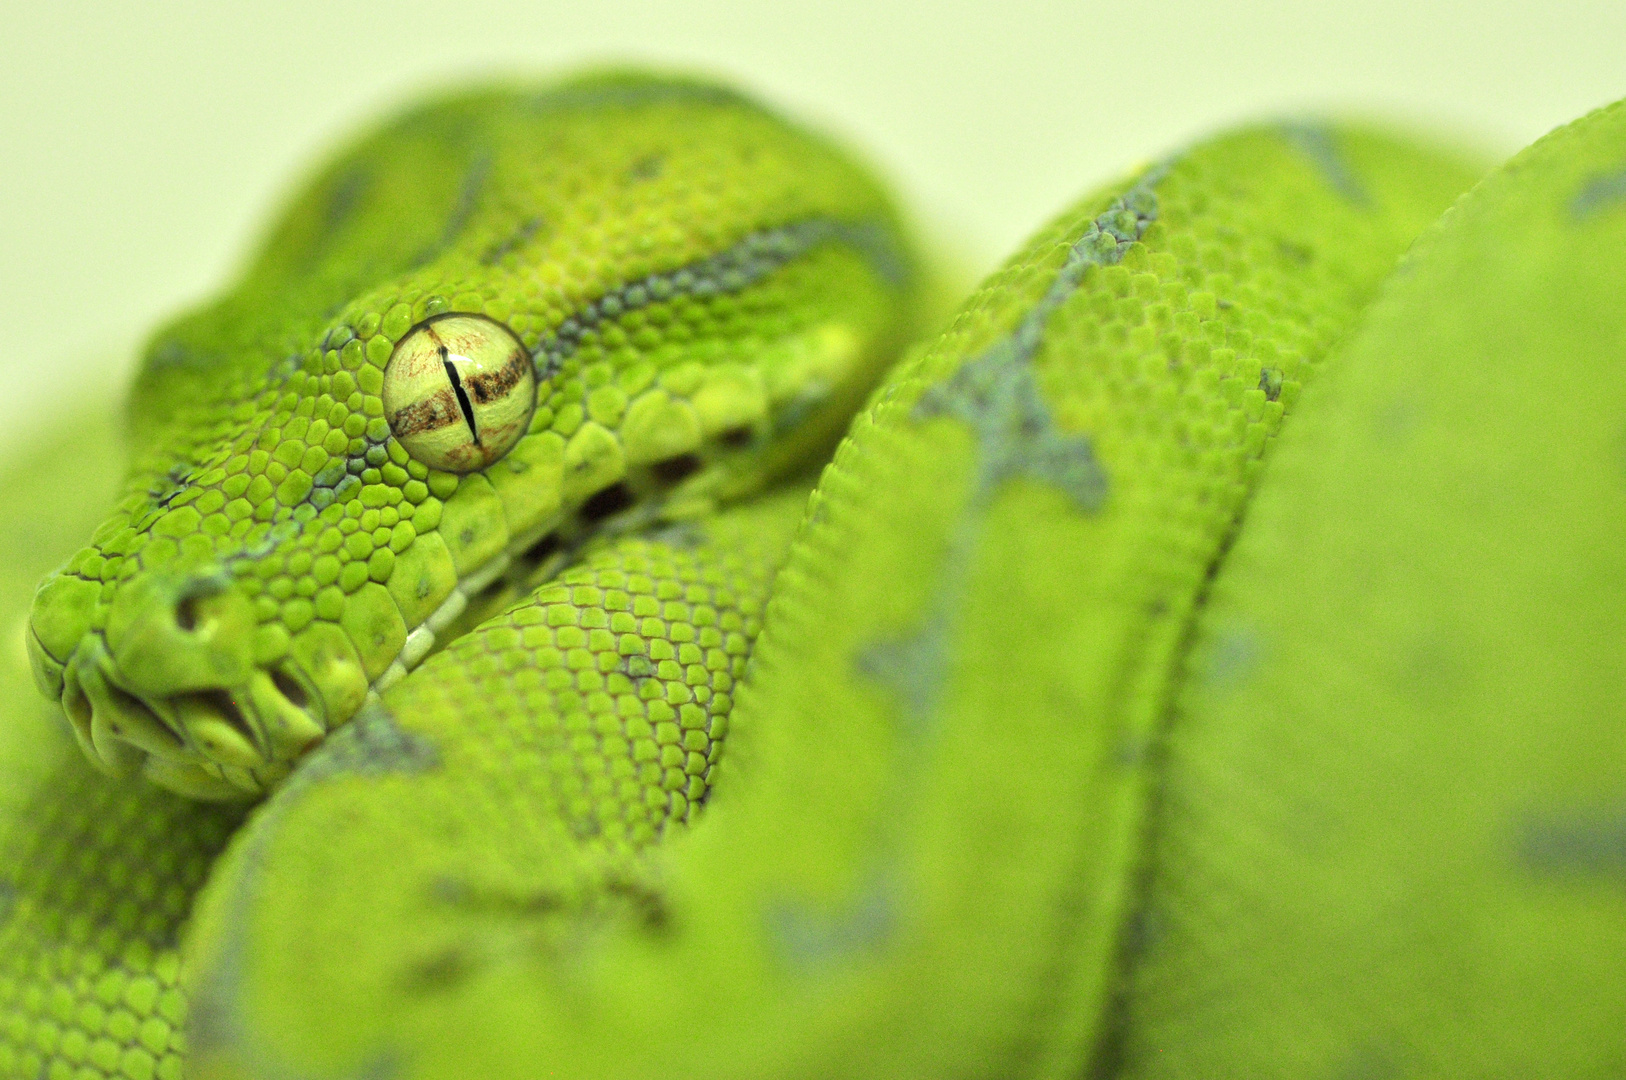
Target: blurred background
column 143, row 144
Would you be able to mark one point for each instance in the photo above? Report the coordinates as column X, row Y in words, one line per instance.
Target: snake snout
column 171, row 686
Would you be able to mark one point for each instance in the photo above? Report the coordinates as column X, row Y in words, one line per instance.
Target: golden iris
column 459, row 391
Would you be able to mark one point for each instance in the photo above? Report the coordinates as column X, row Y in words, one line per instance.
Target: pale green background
column 141, row 144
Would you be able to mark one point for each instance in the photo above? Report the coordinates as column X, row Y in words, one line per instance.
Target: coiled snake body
column 1072, row 726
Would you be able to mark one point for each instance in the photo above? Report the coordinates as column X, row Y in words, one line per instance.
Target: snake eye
column 459, row 391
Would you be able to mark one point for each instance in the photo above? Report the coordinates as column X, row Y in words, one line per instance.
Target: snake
column 596, row 598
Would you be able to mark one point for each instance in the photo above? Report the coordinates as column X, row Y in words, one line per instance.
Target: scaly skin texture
column 977, row 816
column 796, row 932
column 1396, row 775
column 705, row 292
column 96, row 876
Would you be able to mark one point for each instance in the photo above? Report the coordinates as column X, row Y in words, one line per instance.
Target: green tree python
column 1203, row 655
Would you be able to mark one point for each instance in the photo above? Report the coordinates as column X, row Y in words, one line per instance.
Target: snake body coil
column 471, row 525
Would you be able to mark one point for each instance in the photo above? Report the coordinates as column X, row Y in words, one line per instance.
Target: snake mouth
column 174, row 680
column 167, row 685
column 219, row 743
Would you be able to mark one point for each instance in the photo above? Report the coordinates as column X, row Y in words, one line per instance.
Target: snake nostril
column 186, row 614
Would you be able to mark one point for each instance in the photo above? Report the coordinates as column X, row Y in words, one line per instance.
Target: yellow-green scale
column 98, row 881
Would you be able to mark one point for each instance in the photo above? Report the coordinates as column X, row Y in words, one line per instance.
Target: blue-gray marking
column 344, row 475
column 679, row 535
column 1599, row 194
column 996, row 394
column 1575, row 844
column 809, row 940
column 372, row 744
column 743, row 262
column 913, row 666
column 731, row 270
column 1232, row 657
column 1317, row 142
column 512, row 242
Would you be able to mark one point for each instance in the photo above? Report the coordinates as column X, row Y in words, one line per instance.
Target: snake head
column 169, row 682
column 502, row 321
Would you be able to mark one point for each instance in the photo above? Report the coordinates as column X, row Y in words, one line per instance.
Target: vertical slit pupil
column 462, row 394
